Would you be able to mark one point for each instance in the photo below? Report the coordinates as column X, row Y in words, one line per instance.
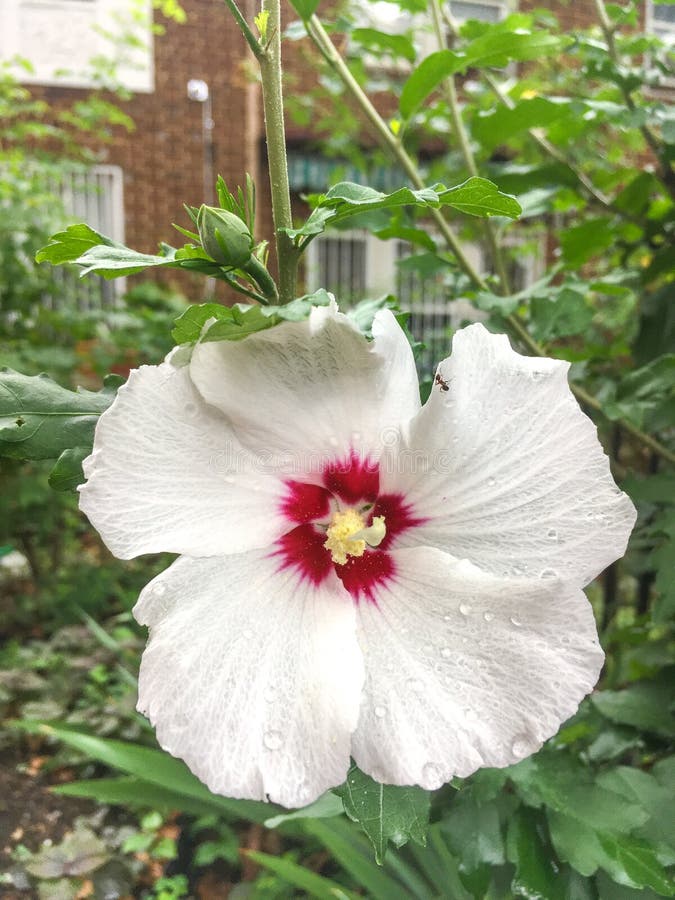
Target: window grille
column 95, row 196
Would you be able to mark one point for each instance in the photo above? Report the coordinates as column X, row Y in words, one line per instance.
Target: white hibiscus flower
column 359, row 576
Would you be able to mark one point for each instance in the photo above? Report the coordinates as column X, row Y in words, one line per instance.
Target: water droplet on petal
column 515, row 621
column 159, row 589
column 524, row 745
column 446, row 652
column 380, row 712
column 552, row 534
column 548, row 573
column 488, row 616
column 471, row 714
column 491, row 482
column 272, row 740
column 465, row 609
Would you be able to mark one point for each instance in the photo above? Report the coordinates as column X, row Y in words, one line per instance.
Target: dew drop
column 516, row 571
column 380, row 712
column 516, row 622
column 447, row 618
column 523, row 745
column 565, row 639
column 272, row 740
column 465, row 609
column 488, row 616
column 159, row 589
column 333, row 441
column 427, row 648
column 471, row 714
column 552, row 534
column 446, row 652
column 491, row 482
column 548, row 573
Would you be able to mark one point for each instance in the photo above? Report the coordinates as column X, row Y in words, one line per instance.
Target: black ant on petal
column 441, row 382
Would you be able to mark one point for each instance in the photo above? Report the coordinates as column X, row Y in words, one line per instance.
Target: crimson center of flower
column 343, row 524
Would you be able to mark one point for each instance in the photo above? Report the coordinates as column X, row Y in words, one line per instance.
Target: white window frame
column 134, row 72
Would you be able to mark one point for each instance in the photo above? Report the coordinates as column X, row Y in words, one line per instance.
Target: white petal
column 250, row 677
column 465, row 669
column 167, row 474
column 513, row 475
column 306, row 391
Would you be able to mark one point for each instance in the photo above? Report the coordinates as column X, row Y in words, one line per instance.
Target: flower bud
column 224, row 236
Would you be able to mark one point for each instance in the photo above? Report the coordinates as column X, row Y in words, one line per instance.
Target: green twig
column 327, row 49
column 251, row 39
column 273, row 105
column 450, row 91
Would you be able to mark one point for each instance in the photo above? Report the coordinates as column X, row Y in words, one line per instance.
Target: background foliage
column 582, row 133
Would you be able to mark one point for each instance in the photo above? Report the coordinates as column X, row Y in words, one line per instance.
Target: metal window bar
column 94, row 196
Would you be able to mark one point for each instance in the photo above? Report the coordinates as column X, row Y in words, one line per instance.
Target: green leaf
column 305, row 880
column 628, row 860
column 473, row 832
column 560, row 782
column 233, row 323
column 426, row 77
column 634, row 863
column 135, row 792
column 536, row 876
column 354, row 853
column 495, row 128
column 153, row 766
column 476, row 196
column 39, row 419
column 497, row 47
column 385, row 812
column 398, row 45
column 67, row 246
column 588, row 239
column 67, row 474
column 305, row 8
column 480, row 197
column 327, row 806
column 645, row 706
column 559, row 314
column 117, row 261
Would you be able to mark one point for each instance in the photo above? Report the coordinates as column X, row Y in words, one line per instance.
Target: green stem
column 450, row 91
column 251, row 39
column 324, row 44
column 269, row 60
column 275, row 133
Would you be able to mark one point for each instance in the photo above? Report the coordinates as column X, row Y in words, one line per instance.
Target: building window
column 352, row 265
column 483, row 10
column 62, row 39
column 93, row 195
column 661, row 21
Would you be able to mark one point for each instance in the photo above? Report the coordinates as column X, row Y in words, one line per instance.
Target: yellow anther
column 347, row 535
